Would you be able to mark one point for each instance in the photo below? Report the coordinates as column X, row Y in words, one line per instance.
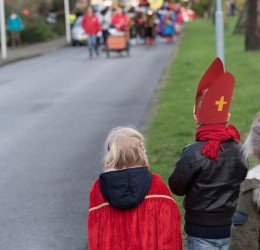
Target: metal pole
column 67, row 21
column 3, row 32
column 219, row 31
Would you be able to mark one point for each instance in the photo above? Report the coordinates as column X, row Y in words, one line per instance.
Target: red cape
column 155, row 224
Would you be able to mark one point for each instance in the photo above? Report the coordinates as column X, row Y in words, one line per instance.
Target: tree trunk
column 88, row 2
column 253, row 25
column 212, row 10
column 44, row 8
column 241, row 23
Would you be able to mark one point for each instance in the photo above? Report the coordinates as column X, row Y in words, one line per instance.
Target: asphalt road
column 55, row 113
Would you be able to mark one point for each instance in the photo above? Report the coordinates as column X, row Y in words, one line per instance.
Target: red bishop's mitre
column 214, row 94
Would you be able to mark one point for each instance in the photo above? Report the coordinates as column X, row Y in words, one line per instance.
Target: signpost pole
column 219, row 31
column 67, row 21
column 3, row 30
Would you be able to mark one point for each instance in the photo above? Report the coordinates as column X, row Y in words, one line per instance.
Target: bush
column 38, row 30
column 59, row 28
column 201, row 7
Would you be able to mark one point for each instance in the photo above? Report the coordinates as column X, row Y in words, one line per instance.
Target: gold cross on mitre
column 221, row 103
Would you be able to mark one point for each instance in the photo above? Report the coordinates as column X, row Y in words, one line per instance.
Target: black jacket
column 210, row 187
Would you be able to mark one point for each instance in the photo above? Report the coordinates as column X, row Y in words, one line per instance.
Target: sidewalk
column 29, row 51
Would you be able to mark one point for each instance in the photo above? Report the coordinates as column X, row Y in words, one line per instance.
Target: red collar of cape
column 214, row 135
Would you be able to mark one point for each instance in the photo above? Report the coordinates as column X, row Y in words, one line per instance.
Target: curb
column 36, row 54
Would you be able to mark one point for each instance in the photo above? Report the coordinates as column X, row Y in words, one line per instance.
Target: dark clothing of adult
column 210, row 187
column 105, row 34
column 15, row 38
column 148, row 32
column 148, row 27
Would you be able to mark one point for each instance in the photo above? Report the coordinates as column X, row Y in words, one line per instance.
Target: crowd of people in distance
column 142, row 24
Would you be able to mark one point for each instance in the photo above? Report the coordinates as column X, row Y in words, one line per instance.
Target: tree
column 253, row 25
column 43, row 8
column 240, row 27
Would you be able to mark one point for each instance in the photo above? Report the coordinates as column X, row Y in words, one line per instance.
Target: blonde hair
column 124, row 147
column 252, row 143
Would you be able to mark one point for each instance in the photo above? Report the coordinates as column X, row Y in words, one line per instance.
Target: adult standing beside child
column 245, row 232
column 209, row 171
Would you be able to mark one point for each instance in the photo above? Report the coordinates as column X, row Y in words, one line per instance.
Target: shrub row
column 200, row 7
column 39, row 30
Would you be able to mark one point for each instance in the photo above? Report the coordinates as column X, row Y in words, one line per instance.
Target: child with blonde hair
column 245, row 231
column 130, row 207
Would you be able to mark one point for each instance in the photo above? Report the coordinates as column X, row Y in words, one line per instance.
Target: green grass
column 173, row 127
